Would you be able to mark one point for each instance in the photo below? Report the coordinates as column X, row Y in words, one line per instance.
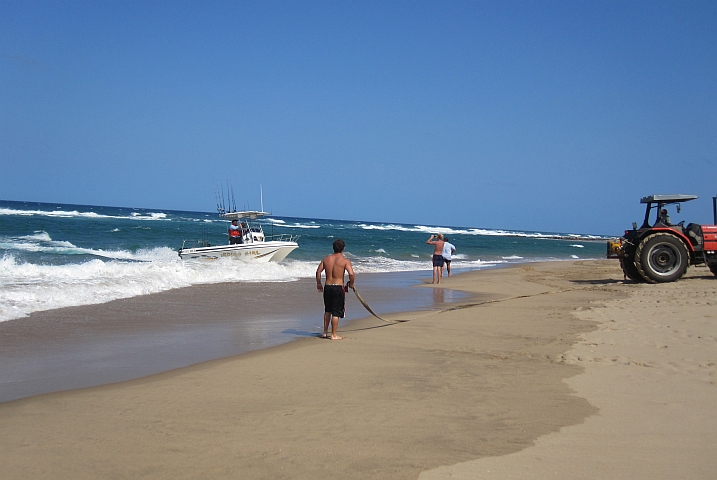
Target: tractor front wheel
column 661, row 257
column 630, row 270
column 713, row 269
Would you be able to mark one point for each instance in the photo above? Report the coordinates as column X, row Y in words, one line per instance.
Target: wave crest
column 478, row 231
column 78, row 214
column 102, row 280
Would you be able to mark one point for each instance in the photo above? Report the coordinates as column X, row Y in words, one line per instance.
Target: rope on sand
column 458, row 307
column 366, row 306
column 498, row 300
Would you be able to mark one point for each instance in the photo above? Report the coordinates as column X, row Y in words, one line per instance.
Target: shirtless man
column 334, row 294
column 437, row 256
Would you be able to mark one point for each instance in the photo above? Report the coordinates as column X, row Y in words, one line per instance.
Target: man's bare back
column 334, row 265
column 437, row 245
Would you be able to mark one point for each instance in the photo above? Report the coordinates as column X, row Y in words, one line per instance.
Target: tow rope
column 366, row 306
column 460, row 307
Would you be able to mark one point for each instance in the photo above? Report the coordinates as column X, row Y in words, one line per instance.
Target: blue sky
column 549, row 116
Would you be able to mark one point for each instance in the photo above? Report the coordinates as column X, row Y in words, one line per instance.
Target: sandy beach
column 125, row 339
column 553, row 370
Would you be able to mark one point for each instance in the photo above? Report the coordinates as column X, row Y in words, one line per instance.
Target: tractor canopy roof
column 667, row 198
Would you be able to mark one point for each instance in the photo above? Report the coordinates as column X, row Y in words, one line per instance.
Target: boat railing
column 195, row 244
column 282, row 237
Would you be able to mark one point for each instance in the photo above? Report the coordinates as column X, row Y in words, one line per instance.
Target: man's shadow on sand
column 300, row 333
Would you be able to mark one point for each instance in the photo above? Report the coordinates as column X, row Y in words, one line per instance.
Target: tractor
column 659, row 251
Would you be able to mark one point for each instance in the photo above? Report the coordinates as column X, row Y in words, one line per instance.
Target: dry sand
column 651, row 370
column 566, row 375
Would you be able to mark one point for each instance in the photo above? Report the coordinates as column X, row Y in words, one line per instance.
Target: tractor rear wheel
column 661, row 257
column 713, row 269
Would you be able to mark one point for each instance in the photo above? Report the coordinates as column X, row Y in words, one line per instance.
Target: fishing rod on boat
column 229, row 197
column 234, row 200
column 221, row 198
column 217, row 198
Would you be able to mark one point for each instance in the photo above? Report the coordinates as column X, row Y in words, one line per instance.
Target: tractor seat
column 694, row 233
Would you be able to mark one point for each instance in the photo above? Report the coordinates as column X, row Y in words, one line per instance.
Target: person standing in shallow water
column 437, row 242
column 448, row 250
column 335, row 266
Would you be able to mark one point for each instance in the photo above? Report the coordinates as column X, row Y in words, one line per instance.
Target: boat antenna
column 222, row 197
column 261, row 197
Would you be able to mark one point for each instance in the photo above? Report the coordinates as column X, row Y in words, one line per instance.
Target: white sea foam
column 512, row 257
column 28, row 288
column 473, row 264
column 386, row 264
column 299, row 225
column 578, row 246
column 37, row 236
column 40, row 242
column 77, row 214
column 149, row 216
column 400, row 228
column 476, row 231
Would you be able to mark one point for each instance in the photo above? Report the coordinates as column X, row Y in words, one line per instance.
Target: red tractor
column 659, row 251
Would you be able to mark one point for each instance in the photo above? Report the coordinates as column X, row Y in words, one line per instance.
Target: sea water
column 55, row 255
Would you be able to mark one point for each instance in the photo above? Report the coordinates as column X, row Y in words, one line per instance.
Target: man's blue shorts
column 437, row 260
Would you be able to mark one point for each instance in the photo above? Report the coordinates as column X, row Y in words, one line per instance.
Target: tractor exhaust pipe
column 714, row 209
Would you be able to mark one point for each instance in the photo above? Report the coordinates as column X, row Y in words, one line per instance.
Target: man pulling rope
column 335, row 266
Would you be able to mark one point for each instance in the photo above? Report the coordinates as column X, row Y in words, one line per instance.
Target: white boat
column 255, row 247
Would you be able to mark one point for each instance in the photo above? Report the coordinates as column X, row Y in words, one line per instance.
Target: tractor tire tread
column 640, row 248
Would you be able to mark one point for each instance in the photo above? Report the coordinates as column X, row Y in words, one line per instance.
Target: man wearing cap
column 235, row 233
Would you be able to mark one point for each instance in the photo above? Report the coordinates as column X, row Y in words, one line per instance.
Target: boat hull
column 273, row 251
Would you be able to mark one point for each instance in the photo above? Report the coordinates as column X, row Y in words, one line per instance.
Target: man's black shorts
column 334, row 300
column 437, row 260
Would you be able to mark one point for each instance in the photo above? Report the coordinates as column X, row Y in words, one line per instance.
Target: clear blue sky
column 551, row 116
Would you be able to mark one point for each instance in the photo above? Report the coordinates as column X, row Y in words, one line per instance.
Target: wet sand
column 131, row 338
column 535, row 362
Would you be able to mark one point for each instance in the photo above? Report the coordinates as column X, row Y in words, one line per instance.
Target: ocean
column 57, row 255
